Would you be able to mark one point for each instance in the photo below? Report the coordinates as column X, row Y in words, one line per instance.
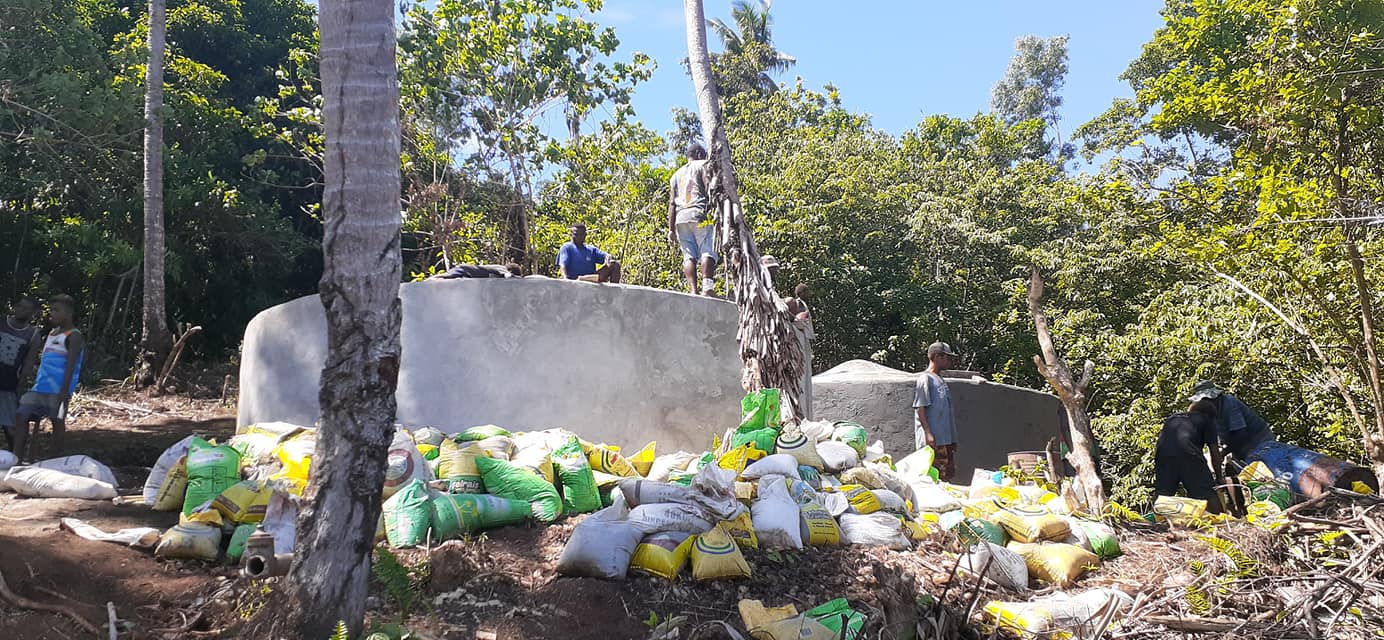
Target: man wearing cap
column 933, row 423
column 1239, row 428
column 689, row 224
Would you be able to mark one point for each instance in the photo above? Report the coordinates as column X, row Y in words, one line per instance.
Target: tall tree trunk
column 360, row 294
column 769, row 349
column 1374, row 442
column 517, row 228
column 155, row 340
column 1072, row 392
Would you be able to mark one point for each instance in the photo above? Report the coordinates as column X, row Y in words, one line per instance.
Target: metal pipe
column 267, row 566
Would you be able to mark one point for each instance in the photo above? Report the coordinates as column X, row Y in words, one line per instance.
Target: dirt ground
column 45, row 564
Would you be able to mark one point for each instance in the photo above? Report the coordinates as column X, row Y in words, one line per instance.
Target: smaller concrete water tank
column 991, row 419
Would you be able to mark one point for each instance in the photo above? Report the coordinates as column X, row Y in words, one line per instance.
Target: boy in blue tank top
column 59, row 368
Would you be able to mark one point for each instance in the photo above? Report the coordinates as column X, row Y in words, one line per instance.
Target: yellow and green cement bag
column 517, row 483
column 663, row 554
column 458, row 467
column 407, row 515
column 210, row 470
column 715, row 556
column 456, row 514
column 580, row 493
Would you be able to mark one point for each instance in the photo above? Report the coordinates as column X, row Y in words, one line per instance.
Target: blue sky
column 899, row 60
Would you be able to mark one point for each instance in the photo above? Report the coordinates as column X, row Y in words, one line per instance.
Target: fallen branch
column 1195, row 624
column 25, row 603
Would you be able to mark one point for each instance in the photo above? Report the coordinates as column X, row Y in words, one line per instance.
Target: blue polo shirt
column 580, row 261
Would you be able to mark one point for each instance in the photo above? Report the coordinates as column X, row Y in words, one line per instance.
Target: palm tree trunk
column 360, row 294
column 769, row 350
column 155, row 340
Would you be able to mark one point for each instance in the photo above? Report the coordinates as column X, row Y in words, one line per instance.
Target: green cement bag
column 210, row 470
column 852, row 434
column 458, row 514
column 579, row 491
column 481, row 433
column 407, row 515
column 838, row 616
column 972, row 530
column 517, row 483
column 1102, row 537
column 236, row 548
column 760, row 410
column 763, row 439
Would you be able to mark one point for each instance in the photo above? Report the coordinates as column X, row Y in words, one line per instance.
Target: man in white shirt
column 690, row 226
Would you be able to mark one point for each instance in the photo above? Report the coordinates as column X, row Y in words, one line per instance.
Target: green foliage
column 748, row 61
column 70, row 170
column 478, row 76
column 403, row 584
column 340, row 633
column 1245, row 567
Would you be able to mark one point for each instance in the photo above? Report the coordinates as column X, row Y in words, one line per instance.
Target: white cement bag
column 429, row 435
column 836, row 503
column 933, row 498
column 776, row 515
column 602, row 545
column 892, row 481
column 84, row 466
column 405, row 464
column 817, row 430
column 7, row 460
column 916, row 463
column 669, row 516
column 1077, row 536
column 838, row 456
column 875, row 451
column 876, row 528
column 715, row 489
column 983, row 483
column 889, row 501
column 281, row 521
column 167, row 460
column 1071, row 612
column 37, row 482
column 779, row 464
column 640, row 492
column 1006, row 568
column 668, row 463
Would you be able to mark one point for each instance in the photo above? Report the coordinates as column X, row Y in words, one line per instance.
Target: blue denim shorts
column 697, row 240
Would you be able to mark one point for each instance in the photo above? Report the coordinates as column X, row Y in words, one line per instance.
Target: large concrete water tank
column 614, row 363
column 992, row 419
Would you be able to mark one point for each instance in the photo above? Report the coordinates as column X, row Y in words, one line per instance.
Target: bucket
column 1027, row 460
column 1310, row 473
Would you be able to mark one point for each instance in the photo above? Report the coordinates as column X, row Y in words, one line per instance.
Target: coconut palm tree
column 155, row 341
column 360, row 295
column 750, row 60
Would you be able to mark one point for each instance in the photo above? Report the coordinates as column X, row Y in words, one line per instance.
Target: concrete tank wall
column 992, row 419
column 617, row 363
